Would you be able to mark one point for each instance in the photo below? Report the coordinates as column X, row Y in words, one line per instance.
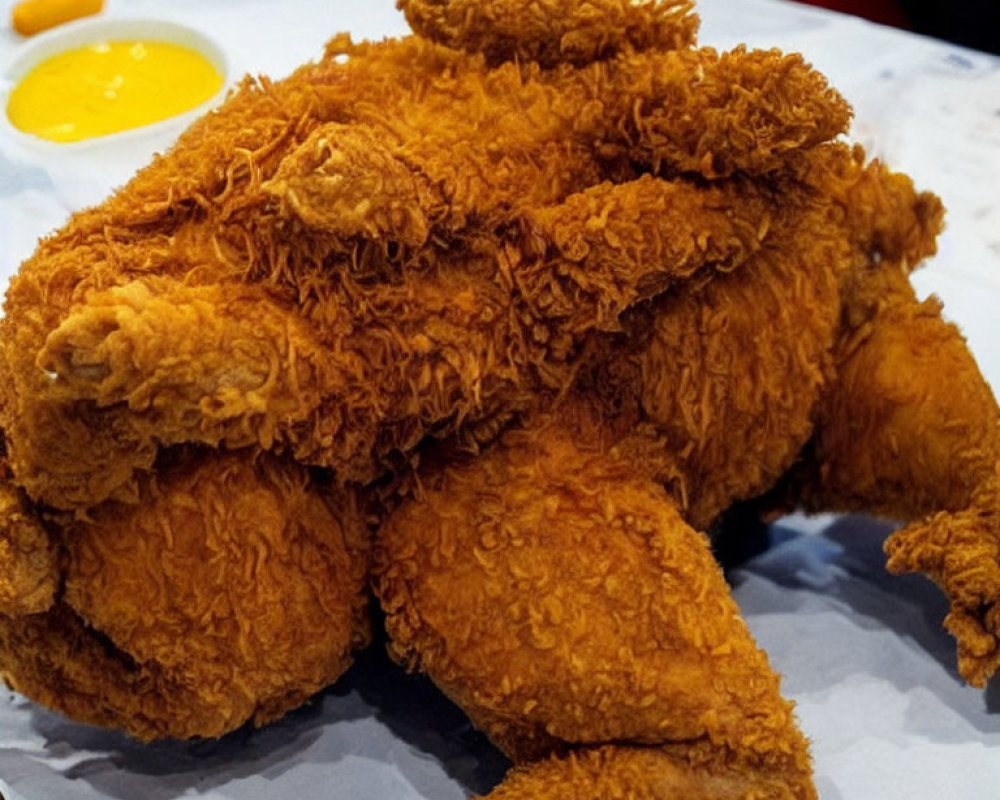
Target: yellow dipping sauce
column 109, row 87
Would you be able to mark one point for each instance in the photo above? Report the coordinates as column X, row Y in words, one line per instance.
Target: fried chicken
column 516, row 308
column 290, row 213
column 559, row 598
column 234, row 590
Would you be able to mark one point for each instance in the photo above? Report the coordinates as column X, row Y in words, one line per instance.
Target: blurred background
column 973, row 23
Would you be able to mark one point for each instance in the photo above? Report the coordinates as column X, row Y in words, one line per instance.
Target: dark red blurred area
column 973, row 23
column 887, row 12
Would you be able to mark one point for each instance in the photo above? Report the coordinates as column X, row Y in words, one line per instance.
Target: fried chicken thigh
column 499, row 317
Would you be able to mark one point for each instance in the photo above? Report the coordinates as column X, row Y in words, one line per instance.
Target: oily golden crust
column 894, row 438
column 654, row 773
column 553, row 31
column 751, row 111
column 719, row 387
column 911, row 430
column 56, row 660
column 562, row 648
column 212, row 612
column 570, row 210
column 29, row 569
column 960, row 551
column 243, row 363
column 170, row 363
column 230, row 202
column 711, row 380
column 489, row 139
column 882, row 216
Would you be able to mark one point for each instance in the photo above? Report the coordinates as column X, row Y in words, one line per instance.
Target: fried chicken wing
column 912, row 431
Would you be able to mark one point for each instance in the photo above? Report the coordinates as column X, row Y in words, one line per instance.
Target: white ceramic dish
column 100, row 29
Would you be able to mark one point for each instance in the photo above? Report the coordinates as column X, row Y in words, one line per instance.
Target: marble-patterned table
column 863, row 654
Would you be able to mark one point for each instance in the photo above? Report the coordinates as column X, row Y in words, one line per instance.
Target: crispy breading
column 234, row 590
column 647, row 772
column 559, row 599
column 554, row 31
column 535, row 295
column 29, row 569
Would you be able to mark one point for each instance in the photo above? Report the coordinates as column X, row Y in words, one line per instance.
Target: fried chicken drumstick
column 499, row 317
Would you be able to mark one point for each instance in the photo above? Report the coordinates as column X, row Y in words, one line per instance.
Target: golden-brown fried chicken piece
column 233, row 591
column 912, row 431
column 575, row 563
column 29, row 569
column 506, row 177
column 615, row 771
column 562, row 601
column 555, row 31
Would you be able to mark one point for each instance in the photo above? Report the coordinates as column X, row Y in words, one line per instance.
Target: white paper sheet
column 863, row 653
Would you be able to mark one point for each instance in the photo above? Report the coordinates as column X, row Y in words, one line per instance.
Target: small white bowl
column 103, row 29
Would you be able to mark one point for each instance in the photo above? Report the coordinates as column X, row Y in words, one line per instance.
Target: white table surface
column 863, row 653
